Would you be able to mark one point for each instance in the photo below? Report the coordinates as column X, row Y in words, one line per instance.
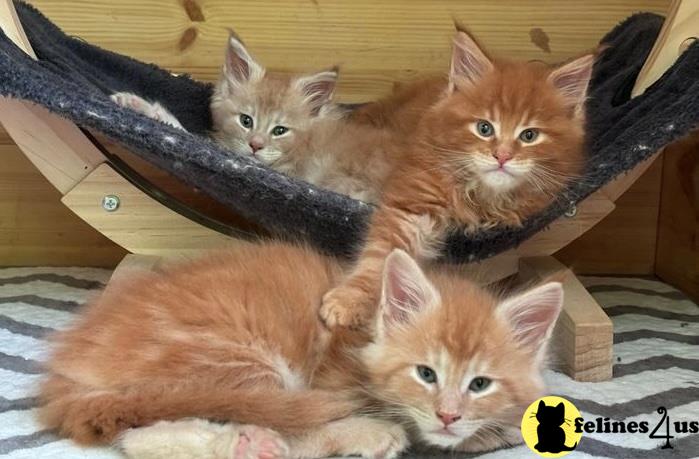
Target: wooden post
column 582, row 340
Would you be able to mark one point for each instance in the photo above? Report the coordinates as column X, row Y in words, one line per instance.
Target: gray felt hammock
column 73, row 79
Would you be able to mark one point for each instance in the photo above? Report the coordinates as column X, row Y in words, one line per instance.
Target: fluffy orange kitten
column 288, row 122
column 225, row 358
column 498, row 143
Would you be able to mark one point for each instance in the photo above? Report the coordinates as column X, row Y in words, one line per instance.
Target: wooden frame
column 77, row 167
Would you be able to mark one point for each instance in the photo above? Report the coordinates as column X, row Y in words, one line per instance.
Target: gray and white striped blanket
column 656, row 349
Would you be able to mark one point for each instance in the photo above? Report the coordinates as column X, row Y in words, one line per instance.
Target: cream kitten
column 255, row 112
column 288, row 123
column 263, row 114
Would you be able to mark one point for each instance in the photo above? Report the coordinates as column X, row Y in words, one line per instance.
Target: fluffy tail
column 94, row 417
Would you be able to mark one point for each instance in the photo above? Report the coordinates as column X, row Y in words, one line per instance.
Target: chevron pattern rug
column 656, row 352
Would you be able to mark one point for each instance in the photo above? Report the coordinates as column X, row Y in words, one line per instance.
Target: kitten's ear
column 239, row 66
column 318, row 89
column 532, row 315
column 572, row 80
column 468, row 61
column 541, row 405
column 405, row 291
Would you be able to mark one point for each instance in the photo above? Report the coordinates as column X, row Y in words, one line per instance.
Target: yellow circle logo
column 548, row 427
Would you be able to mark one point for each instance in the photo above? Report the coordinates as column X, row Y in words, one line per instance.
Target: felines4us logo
column 553, row 427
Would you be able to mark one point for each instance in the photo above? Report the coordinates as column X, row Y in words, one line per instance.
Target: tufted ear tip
column 572, row 79
column 469, row 63
column 532, row 314
column 318, row 88
column 239, row 65
column 405, row 290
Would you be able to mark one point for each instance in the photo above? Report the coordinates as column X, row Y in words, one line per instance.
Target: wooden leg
column 582, row 340
column 133, row 264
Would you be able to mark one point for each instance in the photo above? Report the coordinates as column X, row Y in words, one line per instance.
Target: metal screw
column 572, row 211
column 110, row 203
column 686, row 44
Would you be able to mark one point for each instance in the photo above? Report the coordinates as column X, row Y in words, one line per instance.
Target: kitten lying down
column 494, row 143
column 225, row 357
column 289, row 123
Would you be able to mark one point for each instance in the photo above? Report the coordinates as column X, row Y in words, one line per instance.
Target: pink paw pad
column 259, row 443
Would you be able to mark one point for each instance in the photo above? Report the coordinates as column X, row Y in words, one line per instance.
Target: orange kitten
column 499, row 142
column 234, row 338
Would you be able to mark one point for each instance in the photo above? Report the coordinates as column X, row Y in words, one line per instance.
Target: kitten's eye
column 528, row 135
column 246, row 121
column 427, row 374
column 485, row 128
column 279, row 130
column 479, row 384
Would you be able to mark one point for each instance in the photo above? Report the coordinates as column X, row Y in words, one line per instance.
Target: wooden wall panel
column 35, row 228
column 678, row 229
column 376, row 42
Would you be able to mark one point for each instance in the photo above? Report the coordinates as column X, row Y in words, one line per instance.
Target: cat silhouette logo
column 548, row 428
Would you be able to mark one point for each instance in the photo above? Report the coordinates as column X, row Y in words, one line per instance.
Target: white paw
column 132, row 101
column 491, row 439
column 151, row 109
column 185, row 439
column 377, row 440
column 200, row 439
column 259, row 443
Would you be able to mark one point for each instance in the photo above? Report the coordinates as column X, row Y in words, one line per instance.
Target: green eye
column 427, row 374
column 479, row 384
column 529, row 135
column 279, row 130
column 246, row 121
column 485, row 128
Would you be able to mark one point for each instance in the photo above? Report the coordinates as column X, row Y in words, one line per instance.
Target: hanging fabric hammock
column 74, row 79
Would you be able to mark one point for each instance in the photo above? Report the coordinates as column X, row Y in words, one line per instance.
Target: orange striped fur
column 447, row 171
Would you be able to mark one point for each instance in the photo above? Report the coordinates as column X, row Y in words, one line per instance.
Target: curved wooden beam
column 134, row 220
column 9, row 23
column 62, row 153
column 681, row 25
column 75, row 165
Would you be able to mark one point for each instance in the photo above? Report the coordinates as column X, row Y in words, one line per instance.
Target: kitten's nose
column 503, row 155
column 448, row 418
column 256, row 144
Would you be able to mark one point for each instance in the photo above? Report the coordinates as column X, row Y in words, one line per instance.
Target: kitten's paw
column 259, row 443
column 492, row 439
column 150, row 109
column 184, row 439
column 200, row 439
column 344, row 307
column 377, row 440
column 132, row 101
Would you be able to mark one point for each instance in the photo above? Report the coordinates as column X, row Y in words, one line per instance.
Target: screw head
column 110, row 203
column 572, row 211
column 686, row 44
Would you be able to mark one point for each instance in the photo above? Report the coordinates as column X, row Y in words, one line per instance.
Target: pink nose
column 448, row 418
column 256, row 144
column 502, row 156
